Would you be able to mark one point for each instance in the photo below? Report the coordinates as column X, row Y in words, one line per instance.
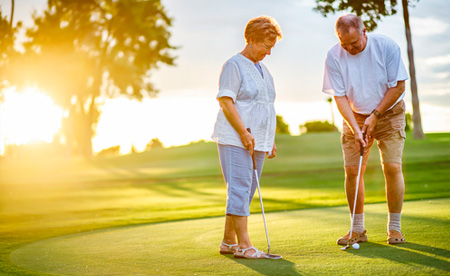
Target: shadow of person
column 269, row 267
column 409, row 253
column 427, row 249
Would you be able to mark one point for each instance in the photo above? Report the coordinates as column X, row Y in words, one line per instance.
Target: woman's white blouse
column 253, row 96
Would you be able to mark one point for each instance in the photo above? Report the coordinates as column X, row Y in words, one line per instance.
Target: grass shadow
column 444, row 253
column 407, row 254
column 269, row 267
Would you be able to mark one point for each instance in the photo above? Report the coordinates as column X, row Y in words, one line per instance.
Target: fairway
column 191, row 247
column 161, row 213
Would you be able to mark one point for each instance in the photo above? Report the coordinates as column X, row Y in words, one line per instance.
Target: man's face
column 354, row 42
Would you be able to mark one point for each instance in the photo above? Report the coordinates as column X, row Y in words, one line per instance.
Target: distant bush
column 133, row 149
column 153, row 144
column 112, row 151
column 408, row 119
column 317, row 126
column 282, row 127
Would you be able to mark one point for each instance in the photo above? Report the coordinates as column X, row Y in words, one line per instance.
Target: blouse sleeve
column 229, row 81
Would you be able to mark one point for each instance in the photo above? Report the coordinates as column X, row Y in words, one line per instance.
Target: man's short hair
column 347, row 22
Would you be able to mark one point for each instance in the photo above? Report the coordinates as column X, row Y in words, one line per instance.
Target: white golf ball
column 355, row 246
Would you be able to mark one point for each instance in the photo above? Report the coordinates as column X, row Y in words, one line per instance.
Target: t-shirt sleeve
column 396, row 70
column 229, row 81
column 333, row 83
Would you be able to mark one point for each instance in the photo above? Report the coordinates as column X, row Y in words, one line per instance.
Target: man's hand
column 360, row 140
column 369, row 126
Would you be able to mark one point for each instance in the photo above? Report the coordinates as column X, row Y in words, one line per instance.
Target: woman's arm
column 230, row 112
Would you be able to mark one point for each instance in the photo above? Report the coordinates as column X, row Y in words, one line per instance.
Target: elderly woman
column 246, row 96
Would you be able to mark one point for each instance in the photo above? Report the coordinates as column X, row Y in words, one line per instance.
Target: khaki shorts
column 389, row 133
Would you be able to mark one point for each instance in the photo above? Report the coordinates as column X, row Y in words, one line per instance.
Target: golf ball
column 355, row 246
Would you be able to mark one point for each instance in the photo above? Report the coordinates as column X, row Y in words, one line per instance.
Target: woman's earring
column 251, row 46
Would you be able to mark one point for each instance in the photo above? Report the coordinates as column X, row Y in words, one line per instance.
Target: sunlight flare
column 28, row 116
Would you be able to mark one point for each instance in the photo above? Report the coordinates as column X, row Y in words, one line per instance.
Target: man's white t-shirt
column 364, row 78
column 253, row 95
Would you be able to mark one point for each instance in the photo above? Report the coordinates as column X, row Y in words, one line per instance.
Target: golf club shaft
column 356, row 193
column 262, row 206
column 260, row 198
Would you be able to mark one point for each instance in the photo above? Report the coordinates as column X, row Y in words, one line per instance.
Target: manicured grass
column 191, row 247
column 48, row 198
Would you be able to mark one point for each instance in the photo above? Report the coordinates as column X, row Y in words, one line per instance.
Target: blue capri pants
column 237, row 170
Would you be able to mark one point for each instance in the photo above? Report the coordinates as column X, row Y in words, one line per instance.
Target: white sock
column 394, row 221
column 358, row 224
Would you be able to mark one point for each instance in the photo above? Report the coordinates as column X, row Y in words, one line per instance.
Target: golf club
column 361, row 153
column 255, row 171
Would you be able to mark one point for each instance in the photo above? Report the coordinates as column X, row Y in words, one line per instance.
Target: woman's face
column 263, row 48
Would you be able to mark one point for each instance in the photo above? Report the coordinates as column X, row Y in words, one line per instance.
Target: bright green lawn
column 43, row 199
column 191, row 247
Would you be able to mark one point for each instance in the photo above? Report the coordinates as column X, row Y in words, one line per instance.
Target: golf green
column 305, row 239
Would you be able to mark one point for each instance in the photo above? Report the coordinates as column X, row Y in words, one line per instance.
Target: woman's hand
column 272, row 154
column 248, row 141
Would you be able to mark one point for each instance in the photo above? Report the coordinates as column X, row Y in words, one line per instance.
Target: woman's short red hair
column 262, row 27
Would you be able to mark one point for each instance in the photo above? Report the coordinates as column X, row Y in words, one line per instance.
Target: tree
column 330, row 101
column 317, row 126
column 408, row 121
column 82, row 52
column 7, row 52
column 282, row 127
column 7, row 39
column 371, row 12
column 417, row 120
column 12, row 14
column 155, row 143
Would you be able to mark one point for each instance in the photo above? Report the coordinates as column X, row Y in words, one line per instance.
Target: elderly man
column 366, row 76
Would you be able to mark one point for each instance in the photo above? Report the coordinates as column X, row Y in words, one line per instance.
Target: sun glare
column 28, row 116
column 139, row 122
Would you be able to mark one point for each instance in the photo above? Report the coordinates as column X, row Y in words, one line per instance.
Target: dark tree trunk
column 417, row 121
column 12, row 14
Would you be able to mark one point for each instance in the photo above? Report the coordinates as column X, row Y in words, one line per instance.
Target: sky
column 209, row 32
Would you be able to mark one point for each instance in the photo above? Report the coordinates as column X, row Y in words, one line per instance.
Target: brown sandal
column 356, row 238
column 395, row 237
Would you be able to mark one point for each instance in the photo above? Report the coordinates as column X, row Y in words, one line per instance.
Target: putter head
column 272, row 256
column 345, row 247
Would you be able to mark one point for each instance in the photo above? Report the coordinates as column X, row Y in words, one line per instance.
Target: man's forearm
column 346, row 111
column 391, row 97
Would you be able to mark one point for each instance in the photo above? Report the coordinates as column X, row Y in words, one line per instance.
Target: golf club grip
column 253, row 155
